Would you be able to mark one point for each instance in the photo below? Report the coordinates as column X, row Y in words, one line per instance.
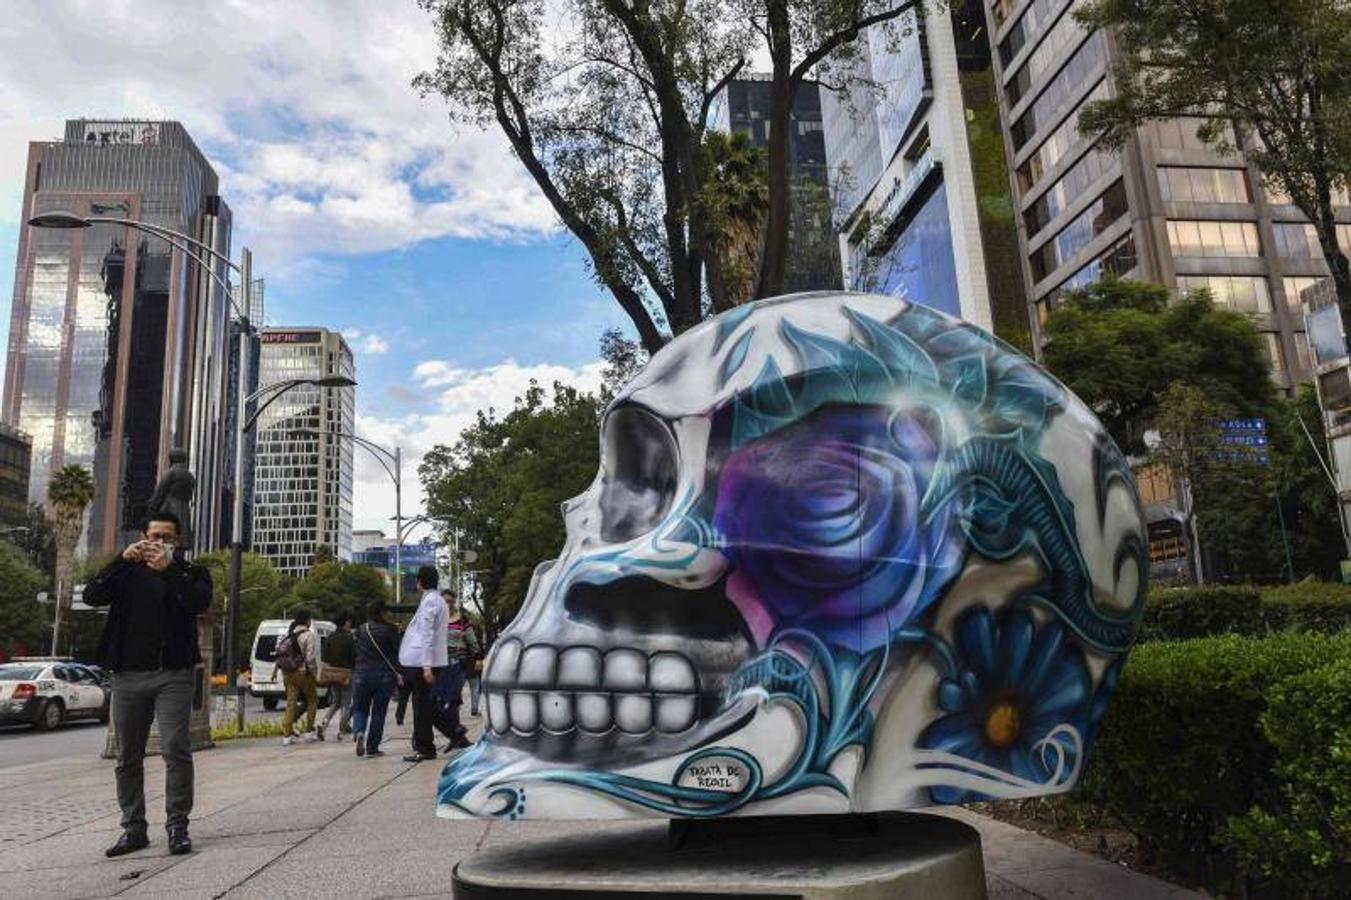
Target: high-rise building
column 16, row 455
column 116, row 340
column 813, row 257
column 918, row 173
column 1167, row 209
column 302, row 496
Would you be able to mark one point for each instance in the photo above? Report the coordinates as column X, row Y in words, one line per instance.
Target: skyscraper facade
column 303, row 466
column 115, row 338
column 1166, row 209
column 813, row 257
column 16, row 454
column 918, row 173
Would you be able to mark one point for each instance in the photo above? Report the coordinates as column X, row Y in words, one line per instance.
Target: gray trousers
column 138, row 699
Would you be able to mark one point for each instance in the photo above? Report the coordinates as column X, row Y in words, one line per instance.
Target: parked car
column 265, row 679
column 45, row 693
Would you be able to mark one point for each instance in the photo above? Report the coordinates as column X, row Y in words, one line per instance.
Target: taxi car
column 45, row 693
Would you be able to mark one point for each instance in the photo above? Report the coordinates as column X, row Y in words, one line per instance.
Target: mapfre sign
column 109, row 133
column 291, row 337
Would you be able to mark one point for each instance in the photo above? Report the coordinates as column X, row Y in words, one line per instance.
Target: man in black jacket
column 150, row 642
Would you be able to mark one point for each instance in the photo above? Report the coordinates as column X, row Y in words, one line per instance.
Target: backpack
column 290, row 657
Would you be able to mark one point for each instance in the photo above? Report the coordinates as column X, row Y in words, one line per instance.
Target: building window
column 1213, row 239
column 1088, row 59
column 1299, row 240
column 1057, row 145
column 1180, row 134
column 1118, row 259
column 1065, row 32
column 1293, row 288
column 1070, row 187
column 1241, row 293
column 1086, row 226
column 1195, row 185
column 1278, row 196
column 1303, row 358
column 1032, row 21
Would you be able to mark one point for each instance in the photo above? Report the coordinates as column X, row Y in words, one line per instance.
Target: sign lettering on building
column 109, row 133
column 290, row 337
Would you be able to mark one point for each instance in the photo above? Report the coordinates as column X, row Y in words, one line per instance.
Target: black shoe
column 129, row 842
column 459, row 742
column 361, row 745
column 179, row 842
column 375, row 753
column 418, row 757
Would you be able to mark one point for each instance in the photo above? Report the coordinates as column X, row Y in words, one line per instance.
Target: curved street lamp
column 193, row 248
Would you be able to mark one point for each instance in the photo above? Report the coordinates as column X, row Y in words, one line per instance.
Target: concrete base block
column 887, row 855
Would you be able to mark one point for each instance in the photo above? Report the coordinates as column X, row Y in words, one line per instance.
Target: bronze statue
column 174, row 494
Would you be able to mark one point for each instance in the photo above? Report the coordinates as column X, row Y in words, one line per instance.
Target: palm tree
column 68, row 493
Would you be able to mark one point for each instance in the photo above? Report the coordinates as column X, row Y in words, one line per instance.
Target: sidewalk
column 313, row 820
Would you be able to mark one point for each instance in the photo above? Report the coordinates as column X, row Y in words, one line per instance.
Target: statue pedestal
column 199, row 723
column 892, row 855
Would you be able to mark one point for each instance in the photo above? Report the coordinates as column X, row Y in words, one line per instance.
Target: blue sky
column 366, row 212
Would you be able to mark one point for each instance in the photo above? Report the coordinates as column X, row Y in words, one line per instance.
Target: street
column 21, row 745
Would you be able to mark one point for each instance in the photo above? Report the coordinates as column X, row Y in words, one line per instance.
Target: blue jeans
column 371, row 690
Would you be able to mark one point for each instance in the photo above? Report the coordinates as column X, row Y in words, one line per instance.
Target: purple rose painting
column 821, row 523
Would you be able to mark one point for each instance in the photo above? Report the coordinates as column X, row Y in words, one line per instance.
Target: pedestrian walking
column 422, row 653
column 341, row 653
column 299, row 663
column 474, row 672
column 462, row 650
column 374, row 678
column 149, row 641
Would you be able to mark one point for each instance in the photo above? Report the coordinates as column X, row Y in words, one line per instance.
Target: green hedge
column 1182, row 613
column 1183, row 750
column 1300, row 839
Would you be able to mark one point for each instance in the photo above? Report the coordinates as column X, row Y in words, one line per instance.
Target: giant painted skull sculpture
column 844, row 553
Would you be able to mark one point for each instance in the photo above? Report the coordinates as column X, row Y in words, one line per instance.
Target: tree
column 1118, row 344
column 68, row 493
column 260, row 590
column 1276, row 69
column 611, row 122
column 332, row 587
column 504, row 481
column 1299, row 450
column 23, row 622
column 323, row 553
column 35, row 539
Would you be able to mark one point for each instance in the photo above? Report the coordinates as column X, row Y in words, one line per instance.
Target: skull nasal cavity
column 641, row 466
column 635, row 606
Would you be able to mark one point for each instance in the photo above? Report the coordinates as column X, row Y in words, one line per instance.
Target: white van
column 265, row 680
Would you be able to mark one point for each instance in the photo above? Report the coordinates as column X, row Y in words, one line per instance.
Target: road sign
column 1245, row 440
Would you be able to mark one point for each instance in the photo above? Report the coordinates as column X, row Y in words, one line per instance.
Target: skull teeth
column 538, row 687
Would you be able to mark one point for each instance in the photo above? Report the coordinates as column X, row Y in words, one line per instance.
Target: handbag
column 333, row 676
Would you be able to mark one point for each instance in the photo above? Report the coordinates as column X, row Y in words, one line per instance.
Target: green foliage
column 1298, row 840
column 254, row 729
column 332, row 587
column 36, row 540
column 1182, row 613
column 72, row 486
column 260, row 589
column 1119, row 344
column 503, row 482
column 1323, row 607
column 25, row 624
column 1182, row 749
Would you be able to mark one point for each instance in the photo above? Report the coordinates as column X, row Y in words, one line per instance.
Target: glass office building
column 16, row 455
column 918, row 173
column 302, row 496
column 813, row 257
column 116, row 340
column 1166, row 209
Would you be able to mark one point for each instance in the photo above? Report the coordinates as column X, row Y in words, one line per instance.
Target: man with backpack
column 299, row 663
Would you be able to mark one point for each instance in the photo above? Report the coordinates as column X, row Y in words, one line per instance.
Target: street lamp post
column 384, row 456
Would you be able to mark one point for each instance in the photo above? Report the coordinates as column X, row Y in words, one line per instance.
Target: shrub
column 1182, row 749
column 263, row 728
column 1307, row 606
column 1300, row 840
column 1181, row 613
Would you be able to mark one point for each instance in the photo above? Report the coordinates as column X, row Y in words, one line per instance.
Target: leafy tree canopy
column 260, row 589
column 1118, row 344
column 332, row 587
column 25, row 624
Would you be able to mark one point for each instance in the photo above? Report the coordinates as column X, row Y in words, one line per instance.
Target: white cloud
column 351, row 333
column 374, row 345
column 305, row 110
column 463, row 393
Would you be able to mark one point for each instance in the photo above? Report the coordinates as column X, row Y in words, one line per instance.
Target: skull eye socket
column 641, row 469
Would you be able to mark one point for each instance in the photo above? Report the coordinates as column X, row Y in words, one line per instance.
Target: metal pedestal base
column 887, row 855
